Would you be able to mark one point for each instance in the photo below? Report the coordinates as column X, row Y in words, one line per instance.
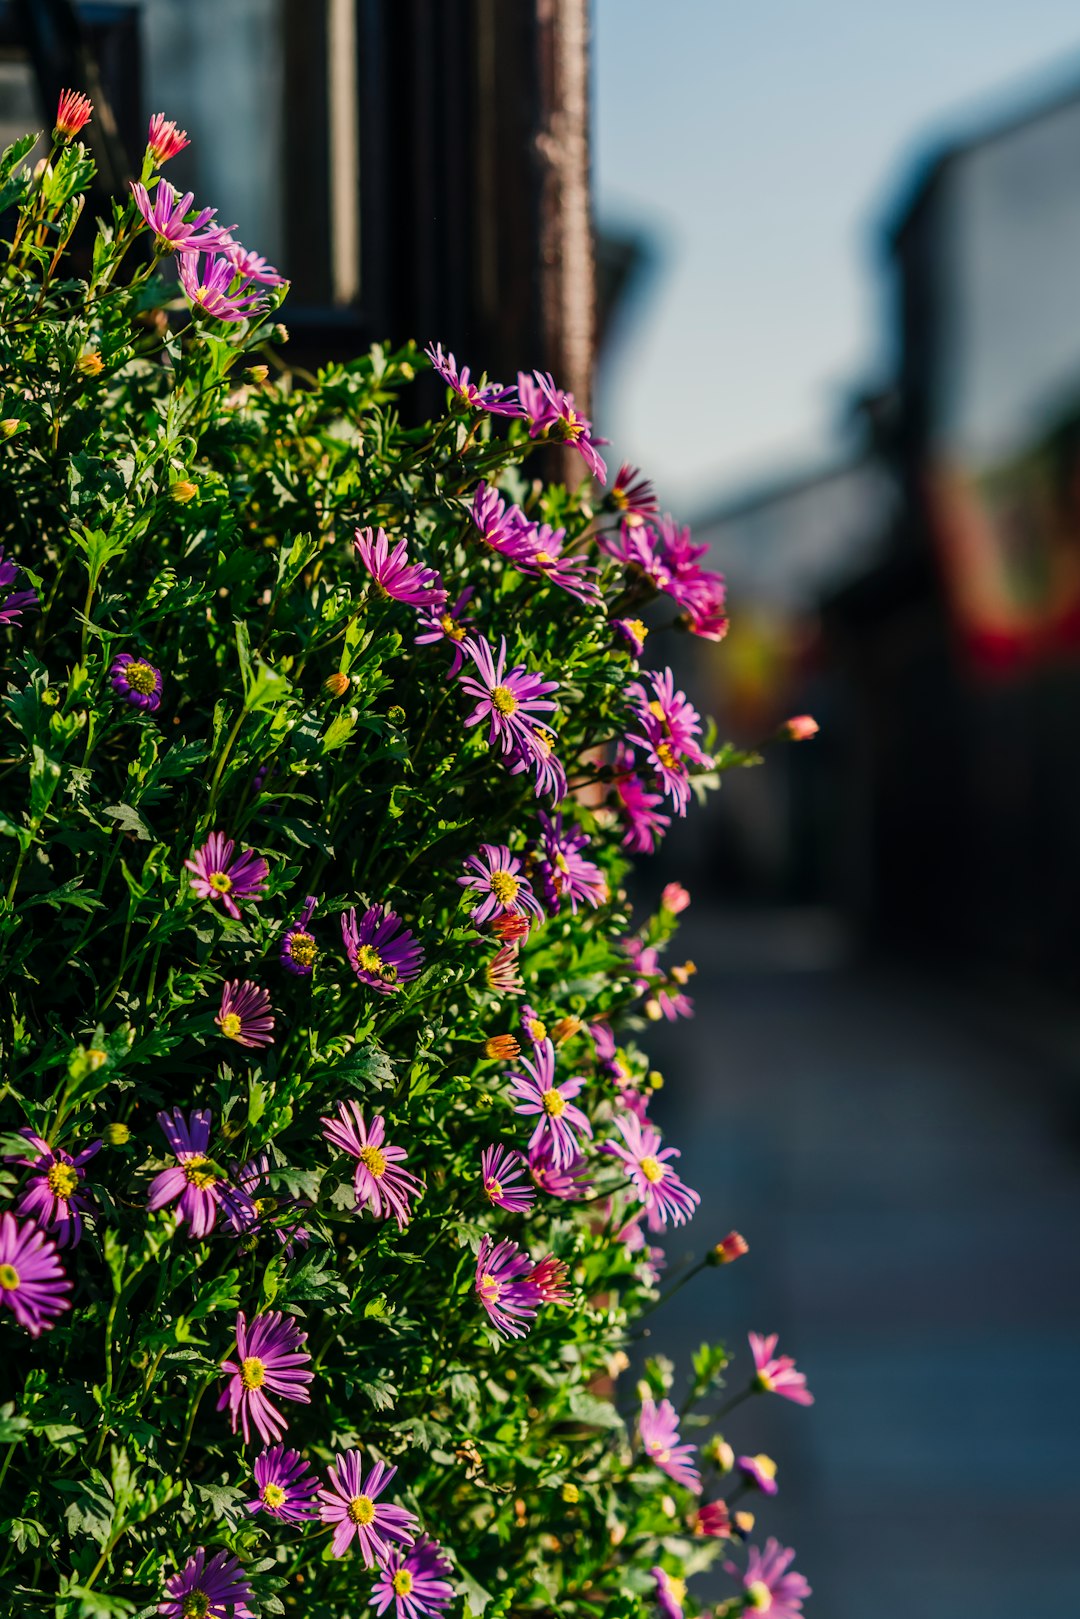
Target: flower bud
column 96, row 1058
column 50, row 698
column 674, row 898
column 743, row 1524
column 565, row 1029
column 800, row 728
column 731, row 1248
column 654, row 1079
column 720, row 1453
column 337, row 684
column 116, row 1135
column 281, row 332
column 396, row 715
column 571, row 1494
column 9, row 426
column 257, row 373
column 683, row 974
column 90, row 364
column 510, row 927
column 182, row 491
column 713, row 1519
column 502, row 1048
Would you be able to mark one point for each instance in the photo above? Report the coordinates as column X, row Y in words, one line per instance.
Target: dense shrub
column 327, row 1150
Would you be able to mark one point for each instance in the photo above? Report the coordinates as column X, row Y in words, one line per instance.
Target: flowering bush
column 328, row 1174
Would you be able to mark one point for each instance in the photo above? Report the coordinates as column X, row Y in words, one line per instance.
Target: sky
column 761, row 145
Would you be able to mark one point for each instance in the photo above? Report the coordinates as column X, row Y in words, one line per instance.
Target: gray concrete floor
column 912, row 1201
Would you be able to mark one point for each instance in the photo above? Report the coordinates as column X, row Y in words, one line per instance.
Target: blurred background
column 817, row 270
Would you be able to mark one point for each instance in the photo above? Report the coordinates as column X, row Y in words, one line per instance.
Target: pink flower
column 504, row 1287
column 270, row 1359
column 767, row 1586
column 504, row 529
column 668, row 729
column 548, row 1277
column 664, row 1196
column 645, row 825
column 352, row 1504
column 72, row 114
column 165, row 216
column 394, row 574
column 670, row 1593
column 547, row 406
column 674, row 898
column 449, row 625
column 215, row 286
column 220, row 874
column 164, row 140
column 633, row 495
column 414, row 1581
column 53, row 1195
column 730, row 1248
column 500, row 1168
column 713, row 1519
column 565, row 1181
column 800, row 728
column 658, row 1426
column 776, row 1374
column 379, row 1180
column 33, row 1285
column 286, row 1489
column 759, row 1472
column 382, row 952
column 252, row 266
column 497, row 877
column 246, row 1014
column 560, row 1122
column 490, row 396
column 511, row 700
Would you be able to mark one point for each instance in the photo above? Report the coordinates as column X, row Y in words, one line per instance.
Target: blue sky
column 761, row 143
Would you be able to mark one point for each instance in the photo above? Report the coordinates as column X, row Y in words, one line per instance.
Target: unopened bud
column 96, row 1058
column 90, row 364
column 725, row 1253
column 9, row 426
column 743, row 1524
column 654, row 1079
column 565, row 1029
column 674, row 898
column 653, row 1010
column 257, row 373
column 281, row 332
column 683, row 974
column 50, row 698
column 720, row 1453
column 800, row 728
column 571, row 1494
column 116, row 1135
column 396, row 715
column 337, row 684
column 510, row 927
column 182, row 491
column 502, row 1048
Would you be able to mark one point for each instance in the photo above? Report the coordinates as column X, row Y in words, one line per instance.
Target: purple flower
column 13, row 603
column 216, row 1589
column 669, row 725
column 575, row 575
column 493, row 397
column 415, row 1581
column 776, row 1374
column 449, row 625
column 663, row 1194
column 767, row 1586
column 163, row 139
column 165, row 217
column 394, row 574
column 633, row 495
column 269, row 1357
column 536, row 752
column 246, row 1015
column 546, row 406
column 759, row 1472
column 193, row 1180
column 352, row 1504
column 670, row 1592
column 658, row 1426
column 379, row 1180
column 215, row 286
column 564, row 872
column 250, row 1179
column 298, row 948
column 383, row 953
column 504, row 1287
column 633, row 632
column 512, row 700
column 218, row 876
column 137, row 681
column 496, row 875
column 500, row 1168
column 33, row 1285
column 252, row 266
column 645, row 825
column 560, row 1123
column 665, row 558
column 51, row 1196
column 504, row 529
column 286, row 1489
column 566, row 1181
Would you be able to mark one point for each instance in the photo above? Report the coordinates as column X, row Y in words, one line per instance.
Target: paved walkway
column 912, row 1202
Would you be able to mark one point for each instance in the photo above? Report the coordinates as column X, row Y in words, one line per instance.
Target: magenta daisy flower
column 52, row 1196
column 222, row 874
column 165, row 216
column 270, row 1358
column 633, row 633
column 193, row 1180
column 566, row 1181
column 713, row 1520
column 496, row 875
column 415, row 1581
column 493, row 397
column 512, row 700
column 575, row 575
column 383, row 953
column 547, row 406
column 352, row 1504
column 776, row 1374
column 33, row 1285
column 246, row 1014
column 215, row 286
column 503, row 529
column 380, row 1182
column 450, row 625
column 500, row 1168
column 767, row 1585
column 501, row 973
column 564, row 871
column 13, row 603
column 670, row 1593
column 504, row 1288
column 560, row 1123
column 633, row 495
column 658, row 1427
column 73, row 112
column 252, row 266
column 645, row 825
column 137, row 681
column 163, row 139
column 394, row 574
column 664, row 1196
column 669, row 725
column 759, row 1472
column 536, row 752
column 286, row 1489
column 254, row 1215
column 210, row 1590
column 298, row 948
column 548, row 1277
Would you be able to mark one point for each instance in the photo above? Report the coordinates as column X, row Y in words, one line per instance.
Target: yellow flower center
column 657, row 711
column 538, row 1028
column 544, row 559
column 504, row 700
column 665, row 755
column 401, row 1584
column 230, row 1025
column 141, row 678
column 252, row 1372
column 493, row 1188
column 652, row 1170
column 196, row 1605
column 677, row 1588
column 638, row 628
column 62, row 1179
column 504, row 887
column 375, row 1161
column 759, row 1596
column 765, row 1465
column 765, row 1383
column 196, row 1175
column 265, row 1205
column 370, row 959
column 553, row 1103
column 362, row 1509
column 489, row 1288
column 452, row 628
column 219, row 882
column 572, row 427
column 303, row 949
column 273, row 1495
column 619, row 498
column 9, row 1278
